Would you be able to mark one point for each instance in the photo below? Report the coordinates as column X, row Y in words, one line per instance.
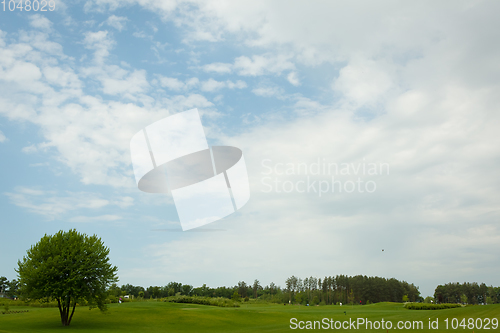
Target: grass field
column 153, row 317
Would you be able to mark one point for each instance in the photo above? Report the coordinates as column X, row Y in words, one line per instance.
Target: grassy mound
column 219, row 301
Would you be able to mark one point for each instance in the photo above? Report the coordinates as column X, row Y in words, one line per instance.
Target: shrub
column 41, row 303
column 216, row 301
column 112, row 299
column 427, row 306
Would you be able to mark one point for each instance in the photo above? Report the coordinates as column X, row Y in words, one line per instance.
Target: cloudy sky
column 393, row 105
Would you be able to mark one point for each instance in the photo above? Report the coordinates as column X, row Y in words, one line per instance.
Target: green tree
column 3, row 284
column 242, row 289
column 13, row 288
column 154, row 291
column 114, row 290
column 405, row 298
column 351, row 297
column 236, row 297
column 187, row 289
column 300, row 297
column 68, row 267
column 255, row 288
column 272, row 288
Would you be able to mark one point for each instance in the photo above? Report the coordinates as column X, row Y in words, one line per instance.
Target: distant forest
column 467, row 293
column 310, row 290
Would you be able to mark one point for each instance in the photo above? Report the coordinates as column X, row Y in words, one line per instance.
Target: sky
column 365, row 126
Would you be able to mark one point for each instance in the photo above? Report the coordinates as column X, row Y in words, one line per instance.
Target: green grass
column 162, row 317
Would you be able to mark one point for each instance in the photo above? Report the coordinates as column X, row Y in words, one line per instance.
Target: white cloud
column 41, row 41
column 51, row 205
column 293, row 79
column 209, row 85
column 141, row 34
column 58, row 76
column 218, row 67
column 212, row 85
column 29, row 191
column 22, row 72
column 236, row 85
column 176, row 84
column 134, row 83
column 2, row 36
column 35, row 165
column 192, row 83
column 99, row 41
column 3, row 138
column 29, row 149
column 268, row 91
column 363, row 82
column 259, row 65
column 256, row 65
column 124, row 202
column 305, row 106
column 86, row 219
column 88, row 134
column 172, row 83
column 117, row 22
column 38, row 21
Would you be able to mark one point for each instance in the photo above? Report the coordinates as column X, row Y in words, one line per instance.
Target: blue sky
column 413, row 86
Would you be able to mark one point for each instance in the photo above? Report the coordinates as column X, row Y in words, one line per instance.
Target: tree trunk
column 64, row 311
column 61, row 311
column 72, row 312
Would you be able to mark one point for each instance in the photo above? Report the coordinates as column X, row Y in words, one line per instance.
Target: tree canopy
column 69, row 267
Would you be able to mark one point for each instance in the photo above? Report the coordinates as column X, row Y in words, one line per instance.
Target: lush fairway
column 153, row 317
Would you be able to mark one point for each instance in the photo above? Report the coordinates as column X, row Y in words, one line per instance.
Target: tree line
column 310, row 290
column 357, row 289
column 467, row 293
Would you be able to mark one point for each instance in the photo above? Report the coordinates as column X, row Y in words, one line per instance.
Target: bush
column 427, row 306
column 41, row 303
column 216, row 301
column 112, row 299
